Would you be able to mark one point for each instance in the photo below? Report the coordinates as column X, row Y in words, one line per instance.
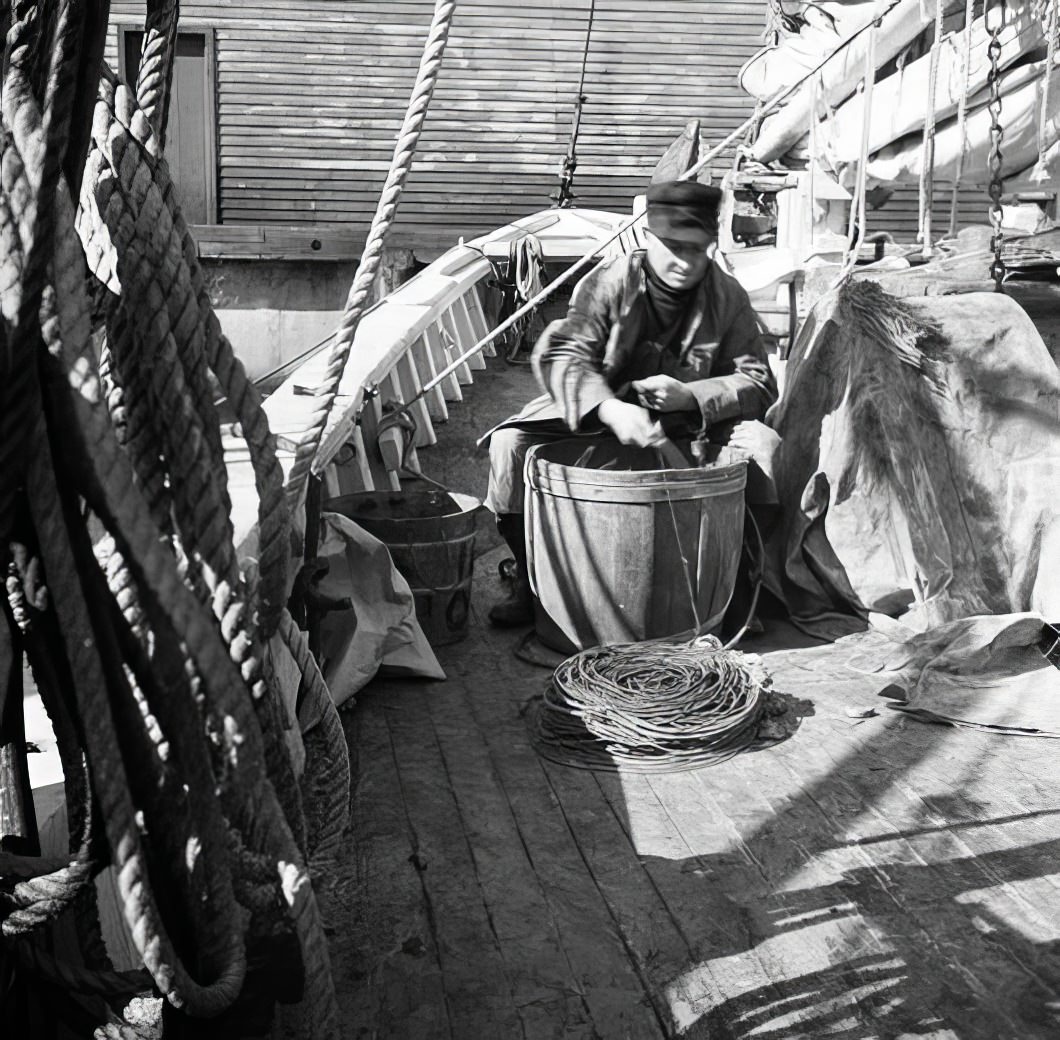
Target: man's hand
column 757, row 440
column 630, row 423
column 664, row 394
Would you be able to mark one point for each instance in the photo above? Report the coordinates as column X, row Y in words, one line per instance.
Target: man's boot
column 517, row 607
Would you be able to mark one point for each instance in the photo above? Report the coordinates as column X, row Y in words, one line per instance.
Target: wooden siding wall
column 310, row 97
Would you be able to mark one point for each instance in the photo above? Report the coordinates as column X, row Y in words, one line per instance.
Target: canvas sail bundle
column 898, row 100
column 899, row 24
column 1022, row 99
column 907, row 94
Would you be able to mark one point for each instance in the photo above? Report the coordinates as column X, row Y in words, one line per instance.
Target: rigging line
column 565, row 195
column 306, row 462
column 856, row 224
column 1043, row 117
column 962, row 111
column 585, row 51
column 927, row 148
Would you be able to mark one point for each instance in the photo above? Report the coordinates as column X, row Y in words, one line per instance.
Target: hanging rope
column 650, row 707
column 927, row 148
column 145, row 638
column 962, row 112
column 1043, row 118
column 856, row 224
column 155, row 77
column 371, row 257
column 564, row 195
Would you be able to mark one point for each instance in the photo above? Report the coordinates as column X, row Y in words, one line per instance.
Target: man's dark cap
column 683, row 210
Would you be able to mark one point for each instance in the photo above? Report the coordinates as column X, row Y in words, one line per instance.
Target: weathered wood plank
column 589, row 929
column 909, row 900
column 384, row 952
column 547, row 995
column 477, row 984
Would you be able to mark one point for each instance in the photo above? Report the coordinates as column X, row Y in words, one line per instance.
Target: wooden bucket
column 431, row 538
column 629, row 552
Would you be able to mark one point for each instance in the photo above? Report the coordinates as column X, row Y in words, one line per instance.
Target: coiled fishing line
column 650, row 707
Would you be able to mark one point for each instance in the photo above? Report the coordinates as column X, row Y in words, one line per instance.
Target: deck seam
column 630, row 951
column 578, row 989
column 428, row 904
column 478, row 879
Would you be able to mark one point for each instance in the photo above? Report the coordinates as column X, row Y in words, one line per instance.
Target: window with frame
column 191, row 132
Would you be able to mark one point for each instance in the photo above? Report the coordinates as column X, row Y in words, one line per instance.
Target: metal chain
column 993, row 50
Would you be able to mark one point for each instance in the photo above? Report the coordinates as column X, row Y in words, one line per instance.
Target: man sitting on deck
column 662, row 343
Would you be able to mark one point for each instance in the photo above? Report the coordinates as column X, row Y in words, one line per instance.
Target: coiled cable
column 662, row 706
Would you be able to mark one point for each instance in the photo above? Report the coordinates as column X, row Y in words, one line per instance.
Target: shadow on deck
column 867, row 878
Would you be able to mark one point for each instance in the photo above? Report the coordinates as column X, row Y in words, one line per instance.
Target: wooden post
column 18, row 822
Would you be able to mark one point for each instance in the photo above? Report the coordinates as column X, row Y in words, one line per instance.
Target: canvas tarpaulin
column 918, row 462
column 380, row 630
column 989, row 672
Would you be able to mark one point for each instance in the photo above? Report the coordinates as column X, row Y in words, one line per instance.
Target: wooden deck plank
column 708, row 918
column 832, row 960
column 975, row 897
column 718, row 878
column 589, row 929
column 478, row 989
column 383, row 951
column 547, row 996
column 654, row 942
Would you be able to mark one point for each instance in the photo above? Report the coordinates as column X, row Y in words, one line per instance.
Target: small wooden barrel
column 431, row 538
column 621, row 551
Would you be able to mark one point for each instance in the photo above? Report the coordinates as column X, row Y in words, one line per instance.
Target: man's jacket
column 600, row 347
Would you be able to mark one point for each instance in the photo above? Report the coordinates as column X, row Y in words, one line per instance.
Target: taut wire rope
column 565, row 195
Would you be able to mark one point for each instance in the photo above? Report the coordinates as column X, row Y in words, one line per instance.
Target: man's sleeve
column 741, row 385
column 568, row 358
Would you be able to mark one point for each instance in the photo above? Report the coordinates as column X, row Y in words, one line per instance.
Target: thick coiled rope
column 155, row 78
column 360, row 294
column 249, row 798
column 650, row 707
column 117, row 190
column 147, row 640
column 325, row 744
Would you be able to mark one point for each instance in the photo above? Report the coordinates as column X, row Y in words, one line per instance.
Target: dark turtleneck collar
column 666, row 305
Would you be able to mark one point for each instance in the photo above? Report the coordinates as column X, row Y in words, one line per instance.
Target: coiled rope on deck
column 651, row 707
